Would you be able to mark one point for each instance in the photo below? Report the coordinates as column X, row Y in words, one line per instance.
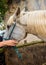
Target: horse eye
column 8, row 26
column 14, row 20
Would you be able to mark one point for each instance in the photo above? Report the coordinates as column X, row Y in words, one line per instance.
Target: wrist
column 1, row 44
column 4, row 43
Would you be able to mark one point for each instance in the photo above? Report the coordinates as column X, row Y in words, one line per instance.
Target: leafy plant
column 3, row 9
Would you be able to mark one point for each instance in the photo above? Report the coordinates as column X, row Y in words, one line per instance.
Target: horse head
column 18, row 32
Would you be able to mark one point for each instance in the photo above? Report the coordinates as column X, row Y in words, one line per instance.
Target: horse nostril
column 8, row 26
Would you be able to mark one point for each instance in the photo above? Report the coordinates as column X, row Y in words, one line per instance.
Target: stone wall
column 36, row 4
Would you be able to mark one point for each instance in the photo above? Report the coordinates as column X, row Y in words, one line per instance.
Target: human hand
column 10, row 43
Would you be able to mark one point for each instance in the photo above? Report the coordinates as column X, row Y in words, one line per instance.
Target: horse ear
column 18, row 11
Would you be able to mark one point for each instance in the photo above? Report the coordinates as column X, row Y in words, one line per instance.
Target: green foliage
column 3, row 8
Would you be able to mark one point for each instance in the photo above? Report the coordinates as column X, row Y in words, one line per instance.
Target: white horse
column 33, row 22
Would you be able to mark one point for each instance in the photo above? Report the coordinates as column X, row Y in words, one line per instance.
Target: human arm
column 8, row 43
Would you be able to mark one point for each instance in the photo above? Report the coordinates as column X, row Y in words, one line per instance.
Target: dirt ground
column 31, row 55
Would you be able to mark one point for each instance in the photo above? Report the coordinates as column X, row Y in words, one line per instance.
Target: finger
column 15, row 41
column 11, row 45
